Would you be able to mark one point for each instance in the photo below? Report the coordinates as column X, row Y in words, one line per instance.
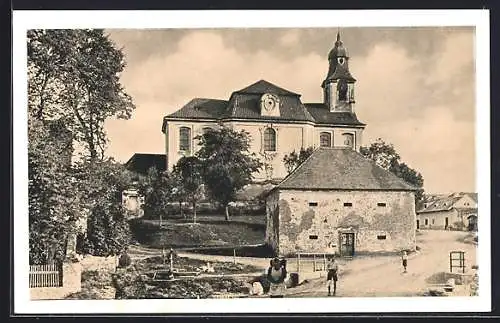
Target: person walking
column 404, row 258
column 332, row 276
column 276, row 275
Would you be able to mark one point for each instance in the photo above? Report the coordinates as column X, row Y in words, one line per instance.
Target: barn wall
column 315, row 227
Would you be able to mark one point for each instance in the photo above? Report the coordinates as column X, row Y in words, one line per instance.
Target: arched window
column 348, row 139
column 269, row 139
column 185, row 139
column 325, row 139
column 342, row 89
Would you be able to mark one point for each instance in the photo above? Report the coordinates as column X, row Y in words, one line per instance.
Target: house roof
column 342, row 169
column 141, row 163
column 439, row 203
column 263, row 86
column 322, row 115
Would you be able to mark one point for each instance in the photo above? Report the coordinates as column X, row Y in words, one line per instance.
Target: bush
column 124, row 260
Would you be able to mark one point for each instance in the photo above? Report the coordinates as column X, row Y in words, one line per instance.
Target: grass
column 208, row 231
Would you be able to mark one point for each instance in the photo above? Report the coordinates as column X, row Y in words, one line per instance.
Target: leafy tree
column 157, row 191
column 385, row 156
column 293, row 160
column 75, row 74
column 107, row 227
column 53, row 203
column 227, row 162
column 189, row 171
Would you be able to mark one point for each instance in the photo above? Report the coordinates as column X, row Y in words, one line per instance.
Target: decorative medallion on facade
column 269, row 104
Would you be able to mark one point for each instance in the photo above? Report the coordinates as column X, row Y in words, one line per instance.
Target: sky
column 415, row 86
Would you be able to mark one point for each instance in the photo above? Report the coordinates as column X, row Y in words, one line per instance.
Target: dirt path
column 385, row 277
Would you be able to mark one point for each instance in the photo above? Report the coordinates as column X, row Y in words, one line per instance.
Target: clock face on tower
column 269, row 102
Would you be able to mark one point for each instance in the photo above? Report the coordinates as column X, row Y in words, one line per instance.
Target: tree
column 189, row 171
column 107, row 227
column 293, row 160
column 227, row 162
column 385, row 156
column 53, row 203
column 157, row 191
column 75, row 74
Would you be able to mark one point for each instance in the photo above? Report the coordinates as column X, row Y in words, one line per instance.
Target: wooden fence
column 49, row 275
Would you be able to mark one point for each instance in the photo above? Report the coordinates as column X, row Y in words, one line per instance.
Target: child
column 276, row 276
column 404, row 257
column 332, row 276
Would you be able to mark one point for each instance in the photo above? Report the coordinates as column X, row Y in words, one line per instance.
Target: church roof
column 322, row 115
column 201, row 108
column 342, row 169
column 245, row 104
column 263, row 86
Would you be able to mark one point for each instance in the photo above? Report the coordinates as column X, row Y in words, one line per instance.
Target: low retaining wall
column 72, row 283
column 92, row 263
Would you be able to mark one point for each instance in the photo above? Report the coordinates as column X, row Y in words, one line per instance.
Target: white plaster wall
column 299, row 221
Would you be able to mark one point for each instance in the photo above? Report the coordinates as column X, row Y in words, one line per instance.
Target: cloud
column 404, row 99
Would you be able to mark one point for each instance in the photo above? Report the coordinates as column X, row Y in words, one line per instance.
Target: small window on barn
column 313, row 237
column 426, row 221
column 313, row 203
column 432, row 221
column 381, row 237
column 381, row 204
column 348, row 204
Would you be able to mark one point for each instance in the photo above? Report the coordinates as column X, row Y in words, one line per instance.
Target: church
column 276, row 119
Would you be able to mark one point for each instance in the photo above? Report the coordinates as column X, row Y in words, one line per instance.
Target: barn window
column 325, row 139
column 313, row 203
column 381, row 204
column 313, row 237
column 185, row 139
column 269, row 139
column 348, row 204
column 432, row 221
column 381, row 237
column 426, row 221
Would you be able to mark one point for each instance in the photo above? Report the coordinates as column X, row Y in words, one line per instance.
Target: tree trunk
column 227, row 212
column 194, row 212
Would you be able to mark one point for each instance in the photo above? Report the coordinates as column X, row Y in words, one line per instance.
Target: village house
column 454, row 211
column 340, row 202
column 276, row 119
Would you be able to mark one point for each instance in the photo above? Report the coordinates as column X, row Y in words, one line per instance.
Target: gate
column 49, row 275
column 347, row 244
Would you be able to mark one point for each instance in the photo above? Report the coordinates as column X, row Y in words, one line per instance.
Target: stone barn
column 338, row 201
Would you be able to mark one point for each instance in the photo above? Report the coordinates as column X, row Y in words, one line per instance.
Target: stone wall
column 310, row 221
column 272, row 220
column 72, row 283
column 91, row 263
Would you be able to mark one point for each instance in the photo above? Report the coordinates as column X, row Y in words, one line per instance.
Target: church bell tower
column 338, row 86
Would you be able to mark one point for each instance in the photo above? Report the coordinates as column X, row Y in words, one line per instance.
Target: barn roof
column 342, row 169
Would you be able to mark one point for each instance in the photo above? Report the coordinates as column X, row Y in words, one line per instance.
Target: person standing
column 332, row 276
column 404, row 258
column 276, row 275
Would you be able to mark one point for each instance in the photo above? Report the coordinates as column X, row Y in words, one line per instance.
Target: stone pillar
column 72, row 276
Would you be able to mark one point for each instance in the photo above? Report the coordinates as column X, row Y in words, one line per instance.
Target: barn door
column 347, row 244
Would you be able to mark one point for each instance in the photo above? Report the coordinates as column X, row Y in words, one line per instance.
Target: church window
column 381, row 204
column 342, row 89
column 348, row 204
column 313, row 203
column 381, row 237
column 269, row 139
column 348, row 139
column 325, row 139
column 313, row 237
column 185, row 139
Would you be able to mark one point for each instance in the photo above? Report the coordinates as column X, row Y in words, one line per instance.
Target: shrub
column 124, row 260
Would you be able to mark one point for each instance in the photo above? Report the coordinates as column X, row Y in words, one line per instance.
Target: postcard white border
column 24, row 20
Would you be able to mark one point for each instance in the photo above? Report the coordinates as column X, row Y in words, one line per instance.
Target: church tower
column 338, row 87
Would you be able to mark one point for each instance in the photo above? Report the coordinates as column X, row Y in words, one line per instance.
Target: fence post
column 298, row 262
column 324, row 261
column 314, row 262
column 234, row 256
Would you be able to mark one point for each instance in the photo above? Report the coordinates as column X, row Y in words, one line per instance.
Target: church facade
column 276, row 119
